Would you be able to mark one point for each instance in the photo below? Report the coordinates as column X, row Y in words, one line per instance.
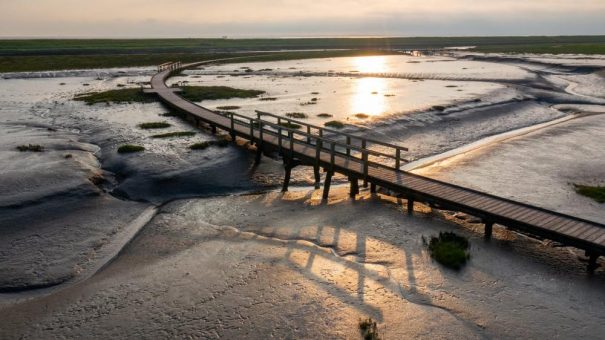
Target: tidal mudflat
column 172, row 241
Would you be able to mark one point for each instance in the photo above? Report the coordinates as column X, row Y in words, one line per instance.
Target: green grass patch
column 335, row 124
column 361, row 116
column 31, row 148
column 228, row 107
column 297, row 115
column 369, row 329
column 324, row 115
column 199, row 93
column 154, row 125
column 449, row 249
column 199, row 146
column 119, row 96
column 597, row 193
column 290, row 125
column 267, row 99
column 175, row 134
column 129, row 148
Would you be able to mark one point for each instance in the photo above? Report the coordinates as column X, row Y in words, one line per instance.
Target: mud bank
column 286, row 265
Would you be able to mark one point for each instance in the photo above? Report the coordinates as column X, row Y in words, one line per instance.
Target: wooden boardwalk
column 378, row 164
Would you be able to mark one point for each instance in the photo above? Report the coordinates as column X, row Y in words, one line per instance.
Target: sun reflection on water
column 368, row 96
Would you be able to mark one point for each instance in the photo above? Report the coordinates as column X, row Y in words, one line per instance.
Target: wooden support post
column 317, row 176
column 410, row 206
column 288, row 166
column 489, row 225
column 373, row 188
column 259, row 153
column 327, row 184
column 354, row 186
column 592, row 262
column 213, row 129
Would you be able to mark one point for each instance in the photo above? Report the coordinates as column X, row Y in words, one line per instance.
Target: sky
column 302, row 18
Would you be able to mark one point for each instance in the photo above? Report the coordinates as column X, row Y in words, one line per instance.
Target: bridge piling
column 410, row 206
column 488, row 230
column 327, row 184
column 372, row 188
column 354, row 186
column 317, row 176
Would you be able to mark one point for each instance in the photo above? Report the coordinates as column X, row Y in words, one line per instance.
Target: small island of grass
column 31, row 148
column 296, row 115
column 335, row 124
column 129, row 148
column 289, row 125
column 175, row 134
column 199, row 93
column 450, row 250
column 597, row 193
column 154, row 125
column 120, row 96
column 324, row 115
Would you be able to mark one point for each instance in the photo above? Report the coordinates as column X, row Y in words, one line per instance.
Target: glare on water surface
column 368, row 96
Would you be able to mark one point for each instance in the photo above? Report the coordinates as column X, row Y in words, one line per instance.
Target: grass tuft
column 362, row 116
column 267, row 99
column 296, row 115
column 449, row 249
column 228, row 107
column 597, row 193
column 30, row 147
column 324, row 115
column 335, row 124
column 129, row 148
column 175, row 134
column 154, row 125
column 369, row 329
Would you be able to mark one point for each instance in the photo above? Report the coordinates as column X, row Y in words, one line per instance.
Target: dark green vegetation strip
column 30, row 147
column 129, row 148
column 597, row 193
column 199, row 93
column 175, row 134
column 49, row 62
column 449, row 249
column 545, row 48
column 154, row 125
column 116, row 96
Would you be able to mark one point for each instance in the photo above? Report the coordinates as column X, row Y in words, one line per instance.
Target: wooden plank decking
column 327, row 152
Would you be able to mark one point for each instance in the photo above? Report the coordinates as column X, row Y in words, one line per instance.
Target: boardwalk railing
column 358, row 148
column 169, row 66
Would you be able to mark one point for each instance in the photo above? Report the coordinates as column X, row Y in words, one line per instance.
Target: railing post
column 291, row 136
column 251, row 130
column 308, row 134
column 348, row 143
column 398, row 158
column 279, row 132
column 365, row 164
column 332, row 150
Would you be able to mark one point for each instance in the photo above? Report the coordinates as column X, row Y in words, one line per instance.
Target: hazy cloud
column 193, row 18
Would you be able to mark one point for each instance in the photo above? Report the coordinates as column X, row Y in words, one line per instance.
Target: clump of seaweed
column 30, row 147
column 335, row 124
column 369, row 329
column 130, row 148
column 296, row 115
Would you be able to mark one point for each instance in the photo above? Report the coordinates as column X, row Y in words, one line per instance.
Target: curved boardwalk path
column 364, row 159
